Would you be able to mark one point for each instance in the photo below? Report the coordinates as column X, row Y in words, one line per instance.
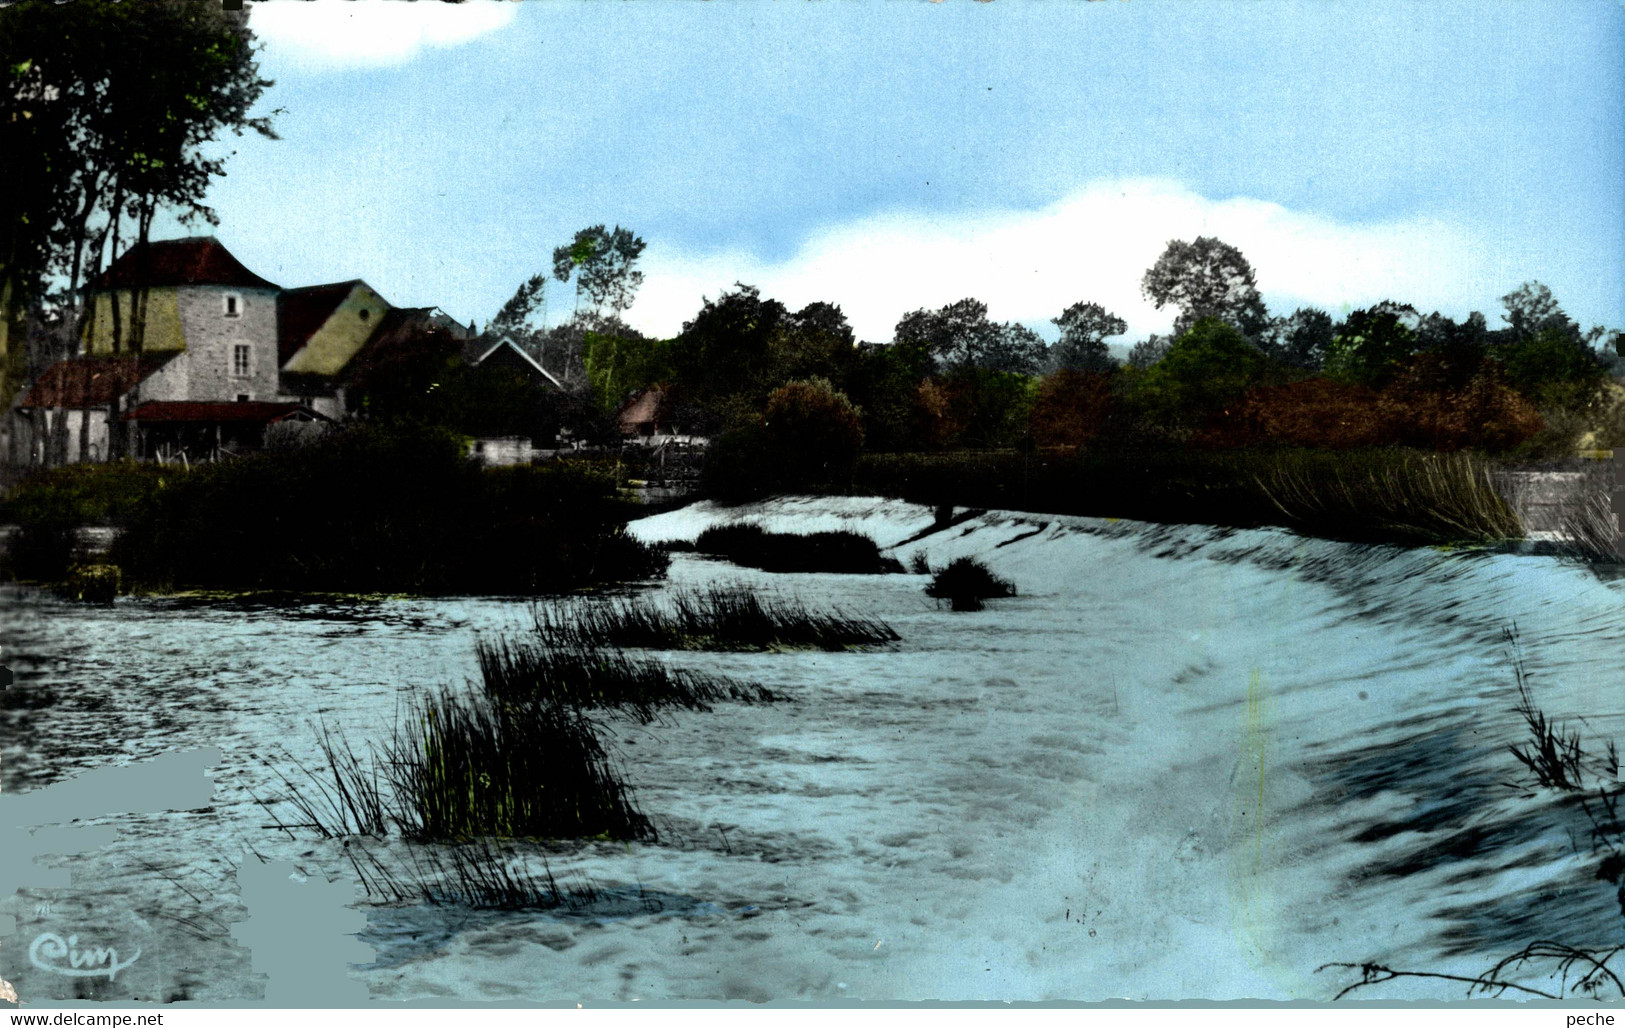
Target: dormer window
column 233, row 305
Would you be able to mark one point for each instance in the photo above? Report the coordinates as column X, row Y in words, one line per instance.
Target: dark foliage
column 1378, row 495
column 966, row 583
column 376, row 510
column 838, row 552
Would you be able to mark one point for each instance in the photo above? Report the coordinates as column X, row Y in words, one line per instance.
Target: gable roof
column 80, row 382
column 193, row 261
column 300, row 312
column 508, row 343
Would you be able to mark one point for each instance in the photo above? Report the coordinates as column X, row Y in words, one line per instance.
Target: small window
column 234, row 305
column 242, row 397
column 242, row 360
column 365, row 314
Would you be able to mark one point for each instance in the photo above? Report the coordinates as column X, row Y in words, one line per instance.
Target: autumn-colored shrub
column 1071, row 408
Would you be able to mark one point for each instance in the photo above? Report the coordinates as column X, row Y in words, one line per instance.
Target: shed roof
column 193, row 261
column 80, row 382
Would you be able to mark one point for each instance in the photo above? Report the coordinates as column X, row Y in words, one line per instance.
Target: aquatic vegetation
column 966, row 583
column 462, row 766
column 480, row 875
column 588, row 677
column 714, row 618
column 753, row 546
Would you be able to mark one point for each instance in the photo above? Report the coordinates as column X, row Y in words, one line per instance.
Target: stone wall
column 211, row 336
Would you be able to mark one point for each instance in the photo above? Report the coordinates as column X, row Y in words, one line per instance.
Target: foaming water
column 1182, row 762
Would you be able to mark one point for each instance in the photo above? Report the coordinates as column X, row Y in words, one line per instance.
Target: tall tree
column 1206, row 278
column 1085, row 327
column 604, row 263
column 104, row 116
column 960, row 335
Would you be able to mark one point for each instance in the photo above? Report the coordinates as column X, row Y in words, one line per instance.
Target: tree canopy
column 1085, row 327
column 604, row 263
column 1206, row 278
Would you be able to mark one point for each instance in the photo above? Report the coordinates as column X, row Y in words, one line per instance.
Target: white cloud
column 371, row 33
column 1093, row 245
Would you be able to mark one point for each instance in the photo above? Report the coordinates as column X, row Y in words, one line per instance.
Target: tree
column 1206, row 370
column 1147, row 352
column 1085, row 327
column 1206, row 279
column 814, row 430
column 1370, row 344
column 514, row 317
column 1299, row 340
column 104, row 116
column 960, row 335
column 604, row 263
column 1532, row 309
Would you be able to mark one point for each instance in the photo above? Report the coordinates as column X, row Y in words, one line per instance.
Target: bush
column 966, row 582
column 1071, row 408
column 753, row 546
column 376, row 509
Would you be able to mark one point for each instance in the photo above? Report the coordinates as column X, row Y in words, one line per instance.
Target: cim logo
column 51, row 952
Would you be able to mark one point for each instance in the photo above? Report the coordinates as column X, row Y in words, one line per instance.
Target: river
column 1182, row 763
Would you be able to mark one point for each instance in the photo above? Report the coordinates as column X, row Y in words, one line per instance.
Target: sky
column 888, row 156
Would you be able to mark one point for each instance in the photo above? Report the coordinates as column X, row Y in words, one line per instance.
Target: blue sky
column 892, row 155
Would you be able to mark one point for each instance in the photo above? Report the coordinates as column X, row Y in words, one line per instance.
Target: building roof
column 80, row 382
column 185, row 411
column 300, row 312
column 652, row 407
column 505, row 344
column 194, row 261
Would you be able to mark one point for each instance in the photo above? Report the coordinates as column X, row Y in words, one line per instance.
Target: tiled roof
column 91, row 381
column 169, row 411
column 300, row 312
column 195, row 261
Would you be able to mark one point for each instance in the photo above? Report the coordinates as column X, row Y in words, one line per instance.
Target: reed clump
column 462, row 766
column 751, row 545
column 728, row 618
column 586, row 677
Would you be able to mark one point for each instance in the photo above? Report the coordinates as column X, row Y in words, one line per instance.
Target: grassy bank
column 1387, row 495
column 836, row 552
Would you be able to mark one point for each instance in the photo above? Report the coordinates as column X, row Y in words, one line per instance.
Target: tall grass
column 714, row 618
column 1417, row 497
column 461, row 766
column 585, row 677
column 466, row 767
column 753, row 546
